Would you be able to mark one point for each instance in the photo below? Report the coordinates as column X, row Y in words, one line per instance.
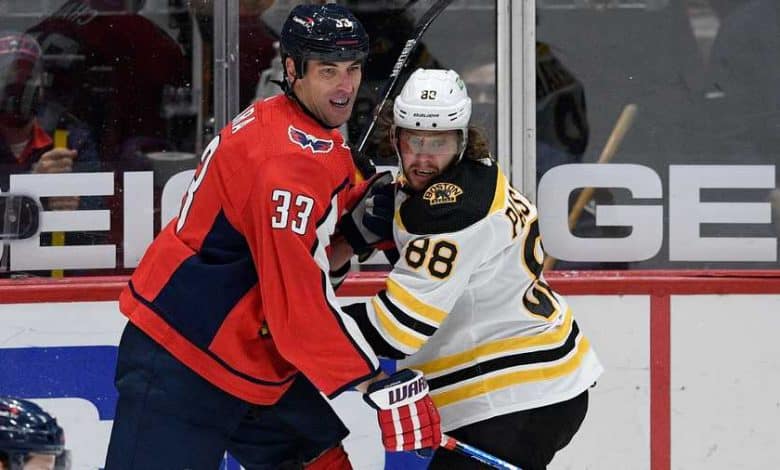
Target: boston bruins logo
column 442, row 193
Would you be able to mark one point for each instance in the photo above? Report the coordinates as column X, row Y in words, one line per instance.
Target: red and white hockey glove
column 407, row 416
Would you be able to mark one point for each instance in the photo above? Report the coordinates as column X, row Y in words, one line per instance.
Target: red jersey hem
column 196, row 359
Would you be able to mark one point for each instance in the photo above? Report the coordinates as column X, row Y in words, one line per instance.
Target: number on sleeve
column 281, row 197
column 301, row 211
column 538, row 299
column 438, row 257
column 442, row 258
column 200, row 174
column 416, row 252
column 305, row 204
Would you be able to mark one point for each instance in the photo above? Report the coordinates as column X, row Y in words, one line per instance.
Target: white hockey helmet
column 433, row 100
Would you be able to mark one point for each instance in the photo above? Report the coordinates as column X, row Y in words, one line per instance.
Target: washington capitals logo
column 305, row 140
column 306, row 22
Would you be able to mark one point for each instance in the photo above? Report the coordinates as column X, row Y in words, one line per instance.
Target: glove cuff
column 402, row 388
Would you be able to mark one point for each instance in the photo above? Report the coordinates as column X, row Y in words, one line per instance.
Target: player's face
column 328, row 89
column 425, row 154
column 39, row 462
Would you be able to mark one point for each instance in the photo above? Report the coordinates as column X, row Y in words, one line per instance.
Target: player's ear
column 289, row 66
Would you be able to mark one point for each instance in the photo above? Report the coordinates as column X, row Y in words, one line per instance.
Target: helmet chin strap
column 463, row 145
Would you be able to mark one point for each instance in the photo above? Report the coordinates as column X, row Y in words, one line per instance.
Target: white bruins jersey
column 466, row 302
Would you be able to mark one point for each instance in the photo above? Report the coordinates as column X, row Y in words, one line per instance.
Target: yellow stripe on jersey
column 396, row 333
column 499, row 197
column 550, row 338
column 488, row 384
column 398, row 222
column 413, row 304
column 401, row 181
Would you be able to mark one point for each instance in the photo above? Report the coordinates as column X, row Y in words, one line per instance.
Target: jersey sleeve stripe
column 551, row 339
column 398, row 220
column 499, row 197
column 405, row 319
column 359, row 312
column 324, row 228
column 394, row 333
column 410, row 302
column 491, row 382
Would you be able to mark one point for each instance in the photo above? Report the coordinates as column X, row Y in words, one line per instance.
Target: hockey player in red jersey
column 234, row 328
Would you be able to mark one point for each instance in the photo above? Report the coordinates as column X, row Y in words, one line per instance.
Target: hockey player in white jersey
column 466, row 303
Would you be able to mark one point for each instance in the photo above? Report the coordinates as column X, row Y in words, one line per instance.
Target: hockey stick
column 19, row 217
column 364, row 163
column 450, row 443
column 623, row 124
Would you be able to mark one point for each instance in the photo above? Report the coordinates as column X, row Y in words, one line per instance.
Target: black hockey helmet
column 322, row 32
column 20, row 77
column 25, row 428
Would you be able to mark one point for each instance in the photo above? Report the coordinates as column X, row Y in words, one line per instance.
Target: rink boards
column 692, row 376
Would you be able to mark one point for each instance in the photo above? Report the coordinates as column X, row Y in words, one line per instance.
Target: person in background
column 110, row 66
column 30, row 438
column 37, row 136
column 562, row 136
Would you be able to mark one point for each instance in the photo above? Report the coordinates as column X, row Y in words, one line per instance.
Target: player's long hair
column 477, row 147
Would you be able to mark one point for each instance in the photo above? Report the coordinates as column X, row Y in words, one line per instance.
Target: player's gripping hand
column 407, row 416
column 368, row 224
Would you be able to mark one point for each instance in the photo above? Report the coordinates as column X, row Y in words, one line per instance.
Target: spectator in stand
column 562, row 137
column 30, row 438
column 110, row 66
column 29, row 126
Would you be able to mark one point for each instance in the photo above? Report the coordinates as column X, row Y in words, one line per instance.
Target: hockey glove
column 369, row 222
column 408, row 418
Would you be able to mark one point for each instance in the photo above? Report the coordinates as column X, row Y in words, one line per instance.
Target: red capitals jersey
column 236, row 287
